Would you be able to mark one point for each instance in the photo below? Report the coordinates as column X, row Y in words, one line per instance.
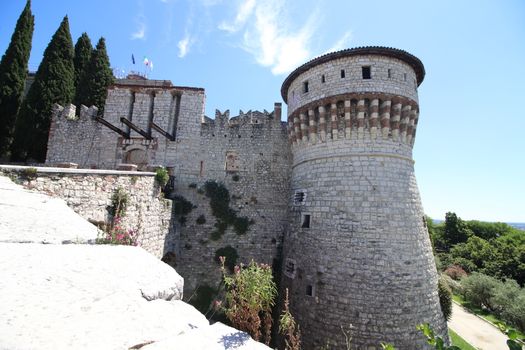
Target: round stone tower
column 357, row 258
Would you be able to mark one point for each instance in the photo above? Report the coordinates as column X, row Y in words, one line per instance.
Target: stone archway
column 139, row 157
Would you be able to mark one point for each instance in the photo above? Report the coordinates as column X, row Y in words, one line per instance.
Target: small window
column 310, row 290
column 289, row 268
column 299, row 197
column 389, row 73
column 305, row 87
column 366, row 72
column 342, row 73
column 323, row 79
column 404, row 76
column 305, row 221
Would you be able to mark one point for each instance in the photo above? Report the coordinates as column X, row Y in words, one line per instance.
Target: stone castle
column 330, row 195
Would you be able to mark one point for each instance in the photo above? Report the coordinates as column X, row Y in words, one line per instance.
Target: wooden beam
column 112, row 127
column 162, row 132
column 144, row 134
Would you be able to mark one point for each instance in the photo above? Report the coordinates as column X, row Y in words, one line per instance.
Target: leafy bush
column 230, row 255
column 509, row 303
column 161, row 176
column 445, row 298
column 478, row 289
column 250, row 296
column 455, row 272
column 119, row 203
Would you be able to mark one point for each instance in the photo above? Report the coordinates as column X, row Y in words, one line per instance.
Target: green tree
column 13, row 73
column 83, row 51
column 455, row 231
column 54, row 83
column 93, row 85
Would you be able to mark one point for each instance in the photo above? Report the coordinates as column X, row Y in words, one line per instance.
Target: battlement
column 249, row 119
column 69, row 112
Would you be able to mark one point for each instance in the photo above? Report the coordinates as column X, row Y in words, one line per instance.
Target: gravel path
column 477, row 332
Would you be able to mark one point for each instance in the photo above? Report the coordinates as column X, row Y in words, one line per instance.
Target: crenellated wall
column 249, row 154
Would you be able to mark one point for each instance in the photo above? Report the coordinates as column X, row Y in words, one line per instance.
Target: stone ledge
column 55, row 170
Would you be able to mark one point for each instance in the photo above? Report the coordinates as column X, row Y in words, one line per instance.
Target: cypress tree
column 54, row 83
column 83, row 50
column 92, row 89
column 13, row 73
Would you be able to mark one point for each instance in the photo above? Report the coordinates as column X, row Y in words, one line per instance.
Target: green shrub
column 509, row 303
column 478, row 289
column 161, row 176
column 250, row 297
column 230, row 254
column 201, row 220
column 119, row 203
column 445, row 298
column 29, row 173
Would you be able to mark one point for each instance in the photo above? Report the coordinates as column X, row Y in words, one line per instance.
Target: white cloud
column 268, row 37
column 244, row 11
column 140, row 33
column 342, row 43
column 184, row 45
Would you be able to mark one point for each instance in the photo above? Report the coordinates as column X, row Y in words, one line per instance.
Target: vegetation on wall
column 13, row 73
column 201, row 220
column 181, row 208
column 119, row 203
column 162, row 176
column 230, row 254
column 114, row 231
column 220, row 206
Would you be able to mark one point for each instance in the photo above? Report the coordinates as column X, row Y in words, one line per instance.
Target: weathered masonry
column 357, row 255
column 330, row 194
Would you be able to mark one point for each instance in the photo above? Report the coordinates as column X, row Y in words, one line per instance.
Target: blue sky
column 470, row 146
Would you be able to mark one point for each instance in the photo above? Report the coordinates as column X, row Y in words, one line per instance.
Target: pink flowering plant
column 116, row 234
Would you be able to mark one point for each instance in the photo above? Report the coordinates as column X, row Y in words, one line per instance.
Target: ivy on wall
column 220, row 207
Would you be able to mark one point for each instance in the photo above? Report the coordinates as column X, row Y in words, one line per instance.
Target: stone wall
column 257, row 180
column 89, row 192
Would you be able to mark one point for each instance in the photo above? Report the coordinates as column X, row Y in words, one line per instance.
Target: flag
column 146, row 61
column 132, row 58
column 151, row 65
